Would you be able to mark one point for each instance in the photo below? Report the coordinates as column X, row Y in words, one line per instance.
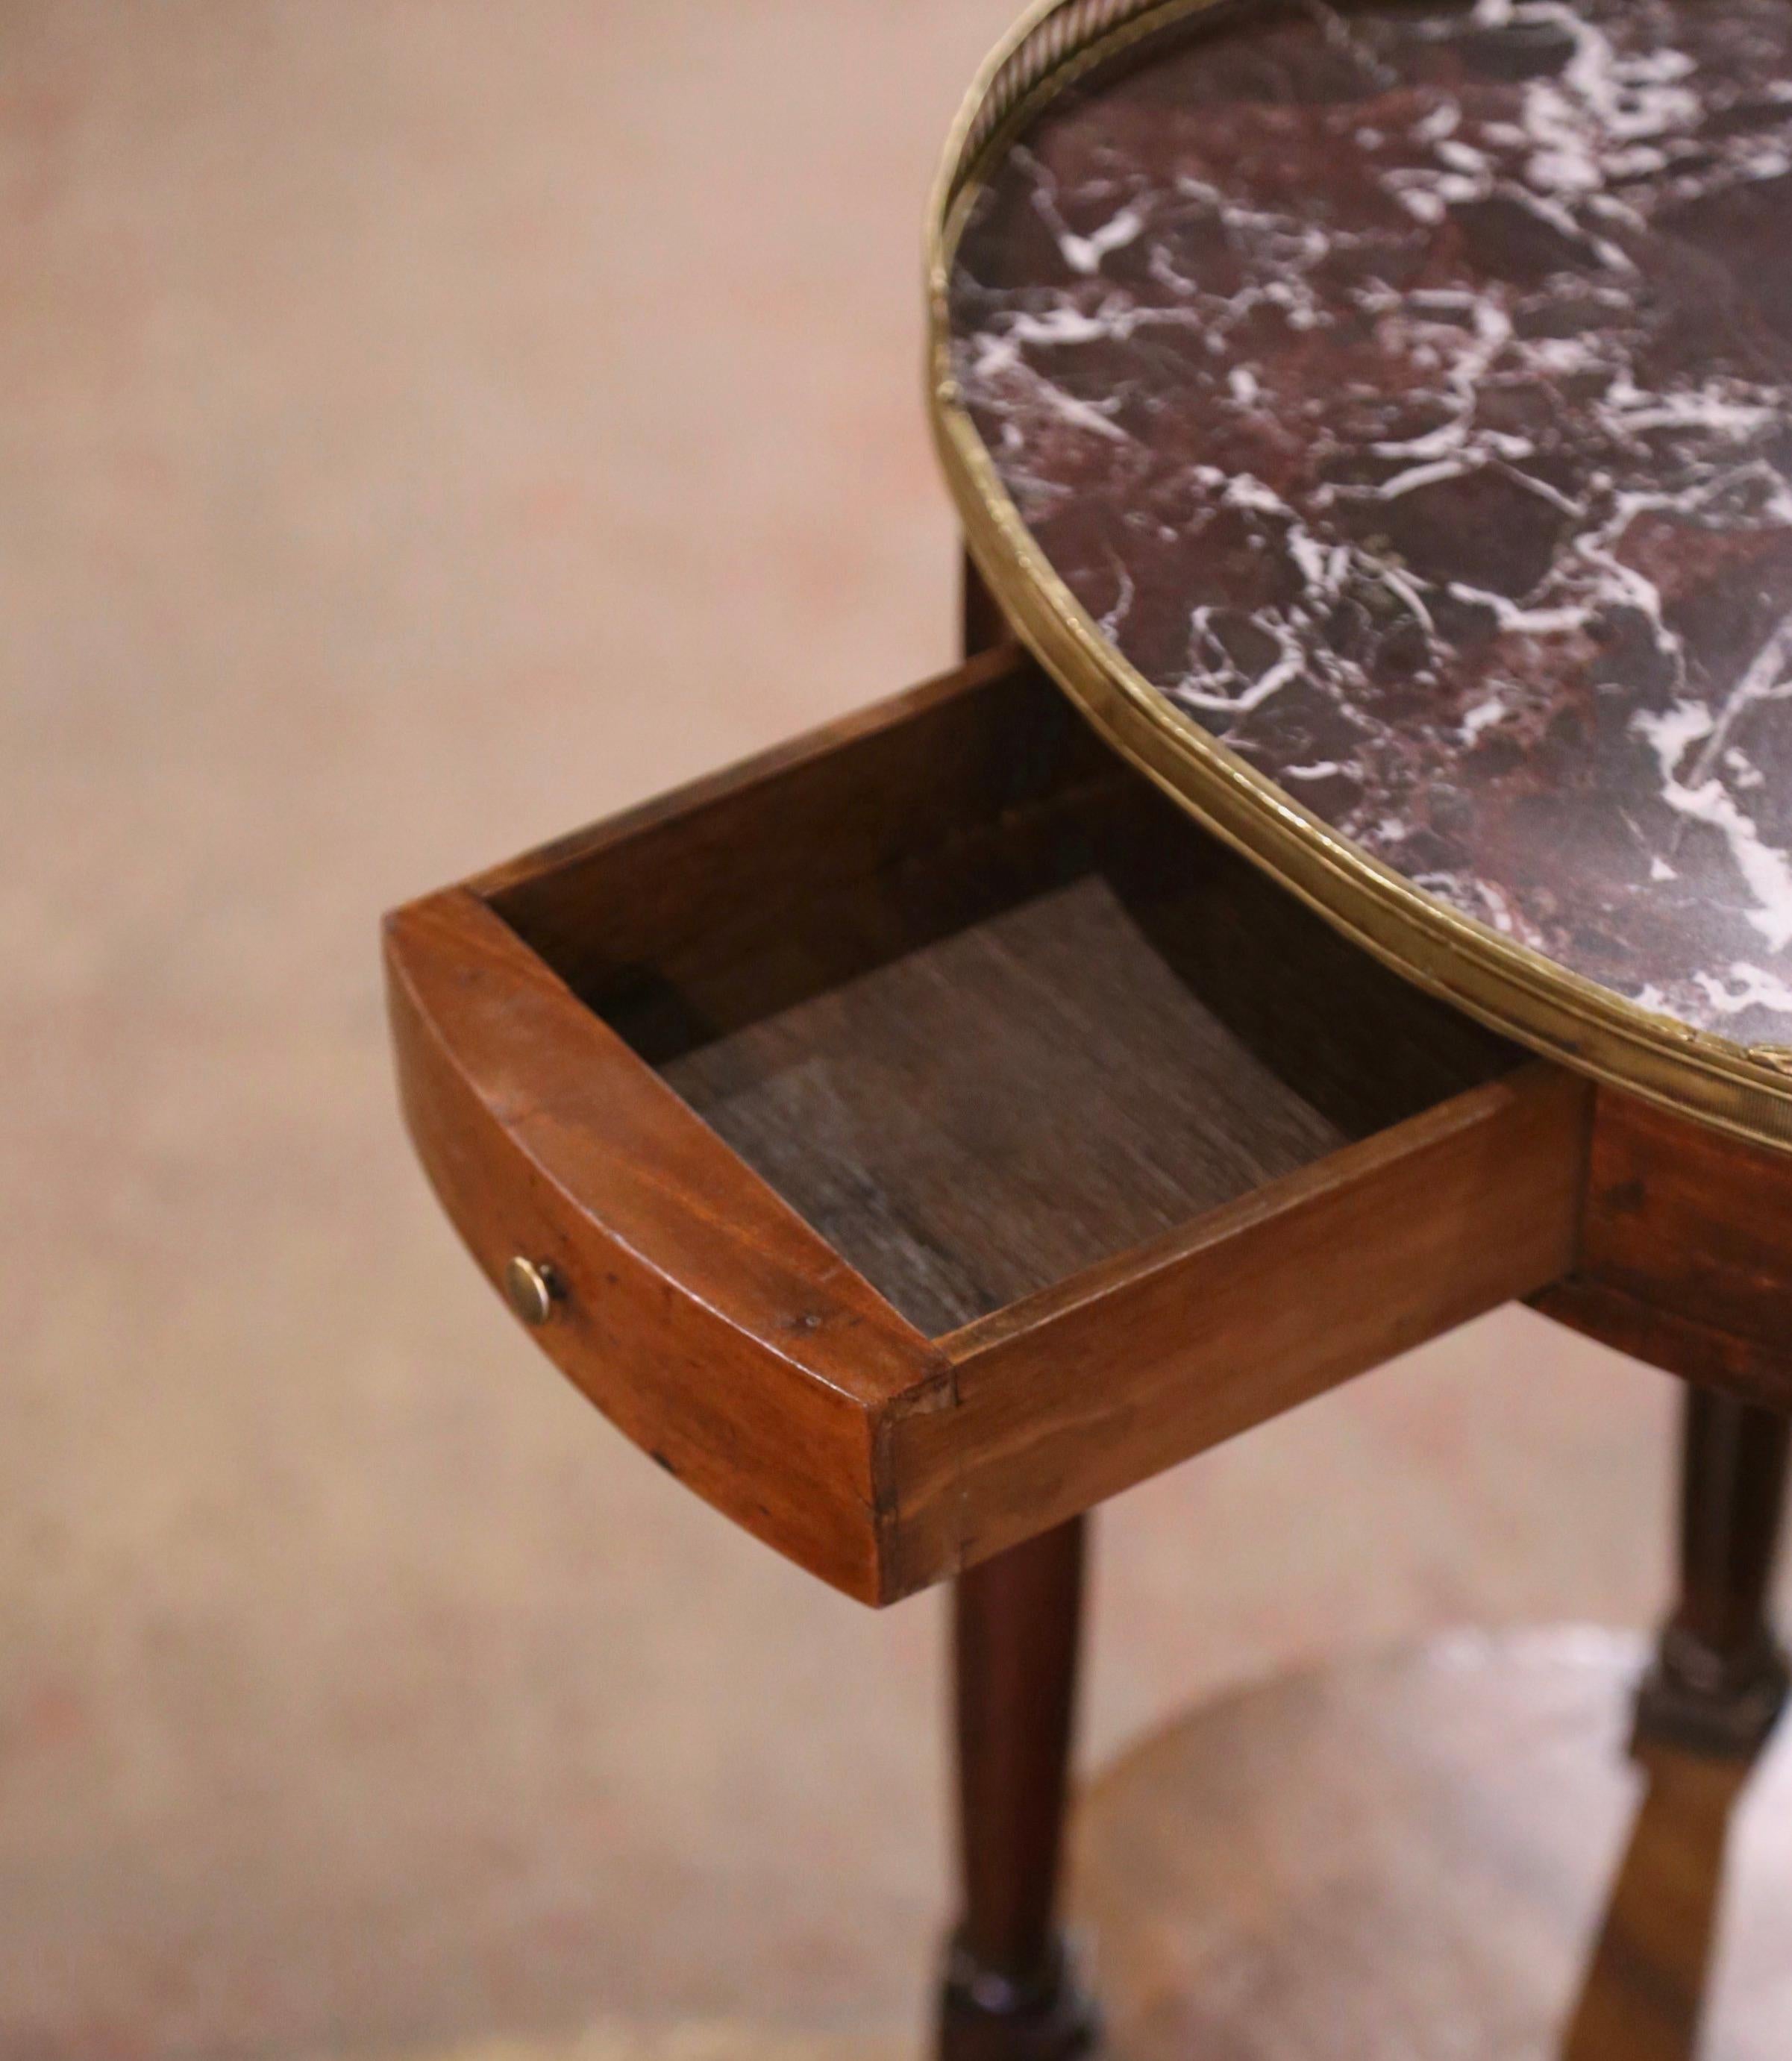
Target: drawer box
column 926, row 1131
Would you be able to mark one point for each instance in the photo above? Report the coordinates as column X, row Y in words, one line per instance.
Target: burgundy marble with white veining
column 1408, row 392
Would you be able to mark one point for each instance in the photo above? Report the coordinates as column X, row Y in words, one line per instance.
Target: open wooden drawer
column 924, row 1131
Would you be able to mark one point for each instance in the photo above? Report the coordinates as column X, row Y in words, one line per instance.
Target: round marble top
column 1380, row 419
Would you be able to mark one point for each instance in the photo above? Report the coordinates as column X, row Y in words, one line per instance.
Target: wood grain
column 1011, row 1098
column 988, row 1114
column 1445, row 1854
column 710, row 1324
column 1693, row 1351
column 1718, row 1682
column 1690, row 1220
column 1686, row 1257
column 1010, row 1991
column 1005, row 1033
column 1077, row 1026
column 1066, row 1399
column 717, row 902
column 981, row 1049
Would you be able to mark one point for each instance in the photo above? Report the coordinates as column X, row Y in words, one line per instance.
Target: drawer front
column 702, row 1316
column 1136, row 1152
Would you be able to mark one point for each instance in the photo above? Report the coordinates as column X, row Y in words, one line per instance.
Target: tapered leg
column 1719, row 1677
column 1009, row 1993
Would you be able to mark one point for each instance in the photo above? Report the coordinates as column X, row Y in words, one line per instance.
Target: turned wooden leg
column 1719, row 1675
column 1009, row 1993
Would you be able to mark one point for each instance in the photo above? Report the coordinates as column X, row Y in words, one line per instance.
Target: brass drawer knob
column 533, row 1288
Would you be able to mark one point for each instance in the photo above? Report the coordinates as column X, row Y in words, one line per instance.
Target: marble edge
column 1744, row 1090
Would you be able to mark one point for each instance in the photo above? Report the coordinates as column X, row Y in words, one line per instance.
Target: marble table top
column 1404, row 393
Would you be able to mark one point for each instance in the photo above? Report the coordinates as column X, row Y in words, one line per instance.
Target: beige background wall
column 424, row 426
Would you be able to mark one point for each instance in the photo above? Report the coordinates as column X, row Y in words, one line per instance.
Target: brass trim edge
column 1745, row 1091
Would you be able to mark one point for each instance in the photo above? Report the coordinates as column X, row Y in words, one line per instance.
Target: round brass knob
column 532, row 1288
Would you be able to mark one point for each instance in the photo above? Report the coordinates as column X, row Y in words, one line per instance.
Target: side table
column 1378, row 425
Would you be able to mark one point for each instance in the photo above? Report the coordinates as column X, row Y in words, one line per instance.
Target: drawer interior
column 976, row 999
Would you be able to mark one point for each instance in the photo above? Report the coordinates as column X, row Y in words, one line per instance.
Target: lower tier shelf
column 1449, row 1855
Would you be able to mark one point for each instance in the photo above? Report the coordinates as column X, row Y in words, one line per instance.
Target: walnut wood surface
column 700, row 1314
column 1011, row 1038
column 1447, row 1854
column 1691, row 1219
column 1055, row 1020
column 1010, row 1992
column 1685, row 1255
column 730, row 897
column 1718, row 1681
column 936, row 1139
column 1068, row 1398
column 989, row 1114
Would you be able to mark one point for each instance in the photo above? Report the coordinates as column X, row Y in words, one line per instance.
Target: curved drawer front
column 699, row 1313
column 910, row 1140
